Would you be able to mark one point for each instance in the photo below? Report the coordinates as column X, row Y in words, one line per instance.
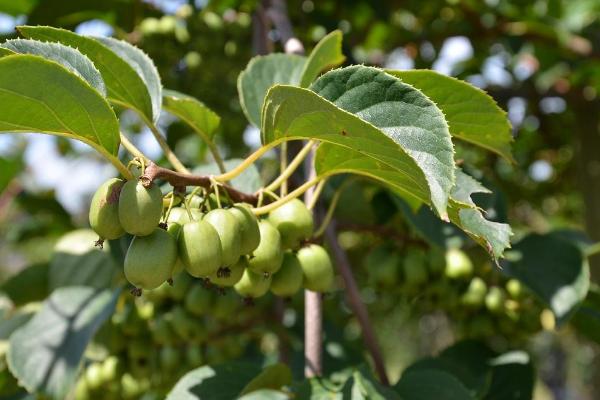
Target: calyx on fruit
column 249, row 229
column 200, row 248
column 229, row 276
column 267, row 257
column 288, row 280
column 104, row 210
column 294, row 221
column 253, row 284
column 228, row 228
column 316, row 267
column 150, row 259
column 140, row 208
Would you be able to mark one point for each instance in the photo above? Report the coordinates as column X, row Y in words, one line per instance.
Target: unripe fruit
column 104, row 210
column 193, row 356
column 140, row 208
column 200, row 248
column 161, row 331
column 182, row 217
column 458, row 264
column 93, row 376
column 382, row 266
column 514, row 287
column 228, row 228
column 229, row 276
column 268, row 255
column 182, row 323
column 294, row 221
column 494, row 300
column 249, row 230
column 150, row 259
column 225, row 306
column 181, row 284
column 253, row 284
column 198, row 300
column 110, row 369
column 475, row 294
column 316, row 267
column 414, row 268
column 169, row 358
column 288, row 280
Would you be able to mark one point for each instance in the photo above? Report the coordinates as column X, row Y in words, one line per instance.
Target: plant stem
column 178, row 165
column 214, row 150
column 353, row 296
column 316, row 194
column 122, row 168
column 283, row 155
column 130, row 147
column 245, row 164
column 289, row 170
column 290, row 196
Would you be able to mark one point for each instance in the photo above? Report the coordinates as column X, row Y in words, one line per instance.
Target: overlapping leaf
column 326, row 54
column 377, row 124
column 193, row 112
column 68, row 57
column 472, row 115
column 37, row 95
column 45, row 353
column 124, row 84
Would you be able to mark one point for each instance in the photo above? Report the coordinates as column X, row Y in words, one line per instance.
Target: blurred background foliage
column 540, row 60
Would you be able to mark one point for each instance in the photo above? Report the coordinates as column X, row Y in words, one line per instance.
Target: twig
column 178, row 180
column 353, row 296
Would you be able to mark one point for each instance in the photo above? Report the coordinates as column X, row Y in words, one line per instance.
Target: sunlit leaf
column 193, row 112
column 326, row 54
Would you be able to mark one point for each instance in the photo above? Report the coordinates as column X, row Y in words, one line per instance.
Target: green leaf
column 6, row 52
column 193, row 112
column 326, row 54
column 37, row 95
column 78, row 262
column 472, row 115
column 367, row 387
column 587, row 317
column 427, row 384
column 221, row 382
column 260, row 74
column 265, row 394
column 143, row 65
column 248, row 181
column 12, row 323
column 45, row 353
column 493, row 236
column 9, row 168
column 29, row 285
column 67, row 56
column 553, row 268
column 123, row 83
column 272, row 377
column 376, row 126
column 513, row 377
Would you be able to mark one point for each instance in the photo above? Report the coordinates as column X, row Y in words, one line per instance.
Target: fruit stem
column 130, row 147
column 332, row 205
column 283, row 162
column 245, row 164
column 290, row 196
column 286, row 172
column 316, row 194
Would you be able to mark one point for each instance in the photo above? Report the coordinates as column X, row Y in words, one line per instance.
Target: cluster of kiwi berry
column 228, row 246
column 479, row 300
column 151, row 341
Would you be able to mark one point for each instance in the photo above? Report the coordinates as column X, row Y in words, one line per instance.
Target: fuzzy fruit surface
column 249, row 229
column 294, row 222
column 200, row 248
column 150, row 259
column 140, row 208
column 104, row 210
column 288, row 280
column 229, row 230
column 268, row 255
column 458, row 264
column 253, row 284
column 180, row 215
column 316, row 267
column 229, row 276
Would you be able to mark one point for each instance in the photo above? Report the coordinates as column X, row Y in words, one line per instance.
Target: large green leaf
column 143, row 65
column 123, row 83
column 493, row 236
column 587, row 317
column 221, row 382
column 78, row 262
column 45, row 353
column 428, row 384
column 193, row 112
column 397, row 135
column 472, row 115
column 68, row 57
column 272, row 377
column 260, row 74
column 37, row 95
column 554, row 268
column 326, row 54
column 513, row 377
